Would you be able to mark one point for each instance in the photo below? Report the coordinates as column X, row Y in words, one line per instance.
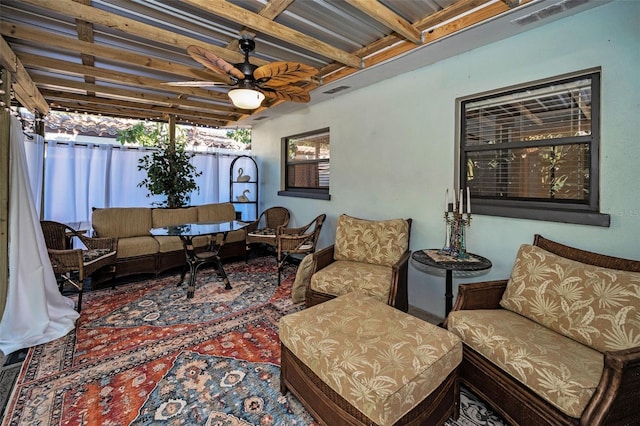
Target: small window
column 306, row 165
column 532, row 152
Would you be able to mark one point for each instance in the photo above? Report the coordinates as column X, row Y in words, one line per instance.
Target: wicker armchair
column 301, row 240
column 73, row 266
column 263, row 230
column 368, row 256
column 617, row 396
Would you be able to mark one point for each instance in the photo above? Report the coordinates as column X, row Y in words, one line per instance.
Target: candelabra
column 456, row 224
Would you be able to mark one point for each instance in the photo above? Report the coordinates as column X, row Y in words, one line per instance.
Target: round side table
column 434, row 259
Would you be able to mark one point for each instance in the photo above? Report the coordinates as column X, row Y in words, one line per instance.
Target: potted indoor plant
column 169, row 172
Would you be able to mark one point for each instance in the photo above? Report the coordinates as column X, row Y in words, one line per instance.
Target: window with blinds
column 533, row 149
column 307, row 170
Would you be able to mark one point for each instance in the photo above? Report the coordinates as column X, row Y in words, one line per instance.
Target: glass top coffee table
column 195, row 259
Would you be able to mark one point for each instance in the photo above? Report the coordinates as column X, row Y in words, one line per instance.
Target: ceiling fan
column 252, row 83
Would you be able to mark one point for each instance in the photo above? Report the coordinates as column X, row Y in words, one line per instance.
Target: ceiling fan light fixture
column 246, row 98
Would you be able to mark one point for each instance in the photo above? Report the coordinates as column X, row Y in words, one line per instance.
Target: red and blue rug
column 145, row 354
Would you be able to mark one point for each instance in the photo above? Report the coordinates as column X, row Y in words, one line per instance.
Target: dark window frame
column 547, row 210
column 321, row 193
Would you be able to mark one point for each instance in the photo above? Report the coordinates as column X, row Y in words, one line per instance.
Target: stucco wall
column 393, row 144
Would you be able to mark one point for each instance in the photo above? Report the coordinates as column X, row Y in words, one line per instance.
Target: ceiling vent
column 337, row 89
column 547, row 11
column 264, row 117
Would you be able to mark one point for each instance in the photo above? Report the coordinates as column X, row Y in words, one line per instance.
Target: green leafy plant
column 169, row 172
column 240, row 135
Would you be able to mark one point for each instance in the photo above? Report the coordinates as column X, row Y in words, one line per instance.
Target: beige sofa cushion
column 381, row 360
column 376, row 242
column 179, row 216
column 167, row 217
column 122, row 222
column 216, row 212
column 560, row 370
column 343, row 276
column 596, row 306
column 136, row 246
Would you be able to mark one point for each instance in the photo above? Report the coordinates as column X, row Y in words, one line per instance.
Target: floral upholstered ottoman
column 354, row 360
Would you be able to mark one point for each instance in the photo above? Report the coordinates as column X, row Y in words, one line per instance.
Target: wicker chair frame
column 263, row 230
column 69, row 265
column 615, row 400
column 302, row 240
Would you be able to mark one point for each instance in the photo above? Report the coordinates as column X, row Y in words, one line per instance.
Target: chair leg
column 113, row 278
column 279, row 271
column 80, row 291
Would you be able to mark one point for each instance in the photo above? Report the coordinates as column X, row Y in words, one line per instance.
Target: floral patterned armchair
column 368, row 256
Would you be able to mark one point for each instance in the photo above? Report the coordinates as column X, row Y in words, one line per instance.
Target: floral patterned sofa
column 140, row 252
column 558, row 342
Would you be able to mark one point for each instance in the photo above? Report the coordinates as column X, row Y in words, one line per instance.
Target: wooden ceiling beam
column 130, row 26
column 114, row 92
column 24, row 88
column 121, row 111
column 252, row 20
column 34, row 35
column 85, row 33
column 380, row 48
column 388, row 18
column 56, row 96
column 270, row 11
column 399, row 47
column 59, row 66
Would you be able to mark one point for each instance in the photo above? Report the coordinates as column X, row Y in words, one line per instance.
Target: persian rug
column 144, row 354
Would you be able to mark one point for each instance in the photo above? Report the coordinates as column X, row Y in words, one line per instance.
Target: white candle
column 446, row 200
column 460, row 208
column 446, row 231
column 468, row 201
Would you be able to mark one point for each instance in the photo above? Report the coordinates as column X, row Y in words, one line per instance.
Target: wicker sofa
column 559, row 342
column 140, row 252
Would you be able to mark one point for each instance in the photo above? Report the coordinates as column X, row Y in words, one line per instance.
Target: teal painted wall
column 393, row 143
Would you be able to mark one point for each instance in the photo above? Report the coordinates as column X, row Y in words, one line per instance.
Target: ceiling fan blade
column 278, row 74
column 215, row 64
column 287, row 93
column 195, row 83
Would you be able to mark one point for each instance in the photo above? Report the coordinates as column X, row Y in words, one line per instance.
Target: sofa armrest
column 398, row 293
column 322, row 258
column 617, row 396
column 481, row 295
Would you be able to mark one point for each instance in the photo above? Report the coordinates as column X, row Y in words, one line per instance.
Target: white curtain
column 80, row 176
column 34, row 150
column 35, row 312
column 209, row 181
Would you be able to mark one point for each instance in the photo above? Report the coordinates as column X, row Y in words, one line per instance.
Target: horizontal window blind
column 533, row 144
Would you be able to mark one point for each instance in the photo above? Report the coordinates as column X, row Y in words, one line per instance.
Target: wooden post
column 172, row 131
column 38, row 128
column 5, row 130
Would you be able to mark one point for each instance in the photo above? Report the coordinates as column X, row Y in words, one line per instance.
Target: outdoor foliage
column 241, row 135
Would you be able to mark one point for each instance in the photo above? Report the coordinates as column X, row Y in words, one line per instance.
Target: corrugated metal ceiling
column 112, row 57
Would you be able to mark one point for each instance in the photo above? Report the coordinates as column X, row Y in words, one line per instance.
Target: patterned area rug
column 144, row 354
